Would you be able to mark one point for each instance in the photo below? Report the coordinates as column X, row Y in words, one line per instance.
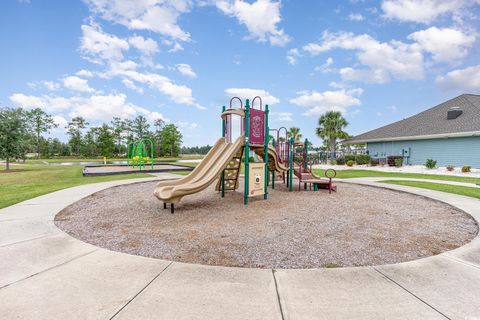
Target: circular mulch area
column 357, row 226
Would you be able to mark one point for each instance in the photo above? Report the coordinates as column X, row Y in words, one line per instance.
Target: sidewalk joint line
column 48, row 269
column 141, row 290
column 27, row 240
column 411, row 293
column 278, row 294
column 461, row 261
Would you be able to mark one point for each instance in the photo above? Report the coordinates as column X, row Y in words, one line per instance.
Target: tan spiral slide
column 203, row 175
column 273, row 160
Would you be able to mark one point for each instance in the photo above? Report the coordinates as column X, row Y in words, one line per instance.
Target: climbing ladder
column 231, row 173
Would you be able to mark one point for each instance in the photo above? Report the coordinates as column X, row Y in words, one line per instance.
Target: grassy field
column 67, row 159
column 461, row 190
column 35, row 180
column 344, row 174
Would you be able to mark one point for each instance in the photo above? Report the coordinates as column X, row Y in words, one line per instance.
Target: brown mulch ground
column 357, row 226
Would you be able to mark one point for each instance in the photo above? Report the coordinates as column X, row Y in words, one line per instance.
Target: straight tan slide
column 203, row 175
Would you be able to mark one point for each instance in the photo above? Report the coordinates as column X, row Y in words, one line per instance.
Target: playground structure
column 137, row 153
column 223, row 162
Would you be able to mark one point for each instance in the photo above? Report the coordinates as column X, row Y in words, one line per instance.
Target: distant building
column 448, row 133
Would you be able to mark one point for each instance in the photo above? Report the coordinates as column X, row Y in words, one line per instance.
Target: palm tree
column 330, row 129
column 294, row 133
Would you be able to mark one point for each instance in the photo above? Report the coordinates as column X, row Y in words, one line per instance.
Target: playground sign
column 257, row 179
column 257, row 127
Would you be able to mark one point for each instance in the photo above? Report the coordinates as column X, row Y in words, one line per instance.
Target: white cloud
column 186, row 70
column 356, row 17
column 401, row 60
column 102, row 107
column 395, row 59
column 60, row 121
column 424, row 11
column 320, row 102
column 146, row 46
column 77, row 84
column 152, row 15
column 293, row 55
column 445, row 44
column 95, row 107
column 51, row 85
column 464, row 80
column 176, row 47
column 282, row 116
column 98, row 46
column 325, row 68
column 177, row 93
column 131, row 85
column 45, row 102
column 187, row 125
column 248, row 93
column 260, row 17
column 364, row 75
column 152, row 116
column 85, row 73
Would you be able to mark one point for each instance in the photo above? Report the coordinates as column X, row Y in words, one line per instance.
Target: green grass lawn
column 74, row 159
column 36, row 180
column 461, row 190
column 344, row 174
column 187, row 164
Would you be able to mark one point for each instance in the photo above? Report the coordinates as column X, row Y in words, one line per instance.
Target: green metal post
column 267, row 138
column 151, row 151
column 247, row 150
column 291, row 165
column 305, row 164
column 223, row 172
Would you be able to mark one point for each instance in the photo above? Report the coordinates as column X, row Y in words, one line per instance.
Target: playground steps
column 306, row 177
column 231, row 173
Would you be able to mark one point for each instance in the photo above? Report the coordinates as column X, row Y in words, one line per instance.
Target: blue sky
column 375, row 61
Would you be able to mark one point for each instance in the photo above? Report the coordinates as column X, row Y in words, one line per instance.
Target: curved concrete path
column 46, row 274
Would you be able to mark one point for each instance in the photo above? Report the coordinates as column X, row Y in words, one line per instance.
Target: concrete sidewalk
column 46, row 274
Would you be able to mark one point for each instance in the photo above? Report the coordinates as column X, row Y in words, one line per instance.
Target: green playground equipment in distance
column 138, row 155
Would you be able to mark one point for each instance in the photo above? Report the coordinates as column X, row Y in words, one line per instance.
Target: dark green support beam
column 223, row 172
column 247, row 151
column 267, row 138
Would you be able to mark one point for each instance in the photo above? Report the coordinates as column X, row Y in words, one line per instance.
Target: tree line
column 22, row 132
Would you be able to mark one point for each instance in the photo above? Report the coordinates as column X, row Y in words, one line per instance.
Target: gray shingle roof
column 430, row 122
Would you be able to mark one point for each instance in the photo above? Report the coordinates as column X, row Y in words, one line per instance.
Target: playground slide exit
column 207, row 171
column 274, row 163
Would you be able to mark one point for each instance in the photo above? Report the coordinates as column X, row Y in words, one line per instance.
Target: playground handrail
column 253, row 103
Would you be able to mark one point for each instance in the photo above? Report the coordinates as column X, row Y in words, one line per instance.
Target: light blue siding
column 448, row 151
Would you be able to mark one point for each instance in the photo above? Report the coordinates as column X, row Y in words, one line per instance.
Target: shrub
column 298, row 159
column 333, row 162
column 374, row 162
column 391, row 160
column 430, row 164
column 450, row 168
column 349, row 157
column 340, row 161
column 362, row 158
column 398, row 162
column 250, row 159
column 350, row 163
column 466, row 169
